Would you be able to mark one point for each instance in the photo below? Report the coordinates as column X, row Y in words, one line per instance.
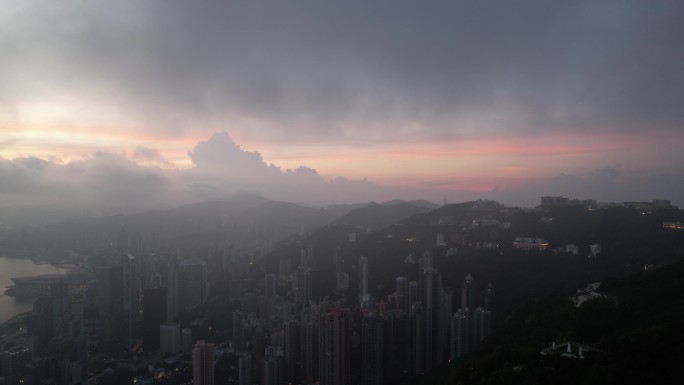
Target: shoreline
column 10, row 330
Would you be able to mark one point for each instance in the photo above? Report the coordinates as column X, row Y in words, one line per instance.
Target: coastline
column 13, row 306
column 14, row 328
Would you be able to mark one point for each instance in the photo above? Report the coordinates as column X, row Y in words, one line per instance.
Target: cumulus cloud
column 221, row 154
column 221, row 166
column 113, row 183
column 147, row 155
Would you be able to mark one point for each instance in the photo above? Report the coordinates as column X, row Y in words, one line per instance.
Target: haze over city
column 341, row 193
column 123, row 106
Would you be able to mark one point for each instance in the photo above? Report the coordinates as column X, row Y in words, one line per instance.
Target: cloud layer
column 334, row 70
column 108, row 183
column 101, row 101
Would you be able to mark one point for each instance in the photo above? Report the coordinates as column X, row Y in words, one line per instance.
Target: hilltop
column 633, row 335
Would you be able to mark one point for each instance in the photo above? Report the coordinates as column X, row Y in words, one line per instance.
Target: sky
column 136, row 105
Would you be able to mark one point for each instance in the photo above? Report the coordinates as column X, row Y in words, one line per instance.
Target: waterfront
column 19, row 267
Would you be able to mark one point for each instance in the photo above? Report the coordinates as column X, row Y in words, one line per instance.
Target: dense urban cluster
column 135, row 316
column 131, row 312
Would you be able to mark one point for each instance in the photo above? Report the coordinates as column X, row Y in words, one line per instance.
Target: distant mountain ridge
column 417, row 202
column 376, row 216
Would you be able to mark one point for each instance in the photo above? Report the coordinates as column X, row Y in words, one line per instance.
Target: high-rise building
column 460, row 333
column 61, row 306
column 418, row 324
column 468, row 293
column 446, row 318
column 273, row 366
column 155, row 281
column 13, row 362
column 432, row 298
column 307, row 287
column 41, row 325
column 170, row 337
column 482, row 319
column 372, row 350
column 309, row 354
column 270, row 286
column 335, row 344
column 285, row 268
column 192, row 284
column 259, row 344
column 245, row 369
column 402, row 294
column 427, row 261
column 412, row 295
column 363, row 276
column 488, row 297
column 173, row 300
column 342, row 280
column 238, row 339
column 154, row 314
column 110, row 301
column 186, row 341
column 396, row 345
column 132, row 285
column 203, row 363
column 292, row 352
column 338, row 261
column 234, row 290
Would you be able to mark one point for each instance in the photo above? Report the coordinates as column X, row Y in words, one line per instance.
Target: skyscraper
column 468, row 292
column 245, row 369
column 13, row 362
column 132, row 285
column 372, row 350
column 273, row 366
column 170, row 337
column 238, row 339
column 488, row 297
column 307, row 287
column 460, row 333
column 154, row 314
column 41, row 325
column 110, row 301
column 335, row 332
column 397, row 352
column 292, row 353
column 192, row 284
column 412, row 295
column 203, row 363
column 431, row 296
column 270, row 286
column 402, row 293
column 309, row 354
column 482, row 319
column 363, row 276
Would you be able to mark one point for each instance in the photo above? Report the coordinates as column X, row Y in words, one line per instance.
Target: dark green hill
column 638, row 329
column 374, row 216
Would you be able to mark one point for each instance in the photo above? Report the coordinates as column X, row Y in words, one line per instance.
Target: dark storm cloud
column 318, row 68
